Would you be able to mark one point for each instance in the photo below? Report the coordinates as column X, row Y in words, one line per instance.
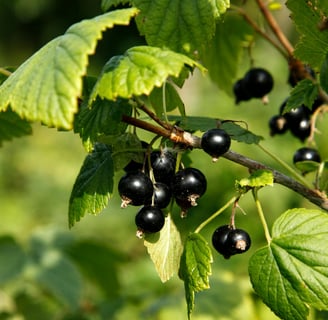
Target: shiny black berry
column 301, row 129
column 306, row 154
column 163, row 165
column 149, row 219
column 238, row 241
column 215, row 142
column 229, row 241
column 278, row 125
column 135, row 188
column 162, row 195
column 219, row 240
column 189, row 184
column 257, row 82
column 240, row 93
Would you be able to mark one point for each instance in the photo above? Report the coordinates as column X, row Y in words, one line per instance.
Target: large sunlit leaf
column 195, row 267
column 138, row 71
column 225, row 50
column 308, row 16
column 108, row 4
column 165, row 249
column 292, row 272
column 46, row 87
column 93, row 186
column 181, row 25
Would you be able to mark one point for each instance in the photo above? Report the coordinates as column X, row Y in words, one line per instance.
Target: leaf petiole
column 215, row 214
column 261, row 215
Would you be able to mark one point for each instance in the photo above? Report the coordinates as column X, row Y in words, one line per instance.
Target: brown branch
column 153, row 116
column 260, row 31
column 186, row 139
column 275, row 27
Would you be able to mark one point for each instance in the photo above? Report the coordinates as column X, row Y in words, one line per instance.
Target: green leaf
column 235, row 131
column 304, row 93
column 291, row 273
column 225, row 50
column 46, row 87
column 307, row 166
column 307, row 16
column 125, row 147
column 102, row 118
column 93, row 186
column 107, row 4
column 55, row 272
column 172, row 100
column 12, row 259
column 12, row 126
column 99, row 263
column 258, row 179
column 195, row 267
column 181, row 25
column 165, row 249
column 138, row 71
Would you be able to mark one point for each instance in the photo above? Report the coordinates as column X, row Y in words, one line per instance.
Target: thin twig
column 177, row 135
column 257, row 29
column 275, row 27
column 5, row 72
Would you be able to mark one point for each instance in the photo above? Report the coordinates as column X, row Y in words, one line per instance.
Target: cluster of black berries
column 256, row 83
column 297, row 120
column 229, row 241
column 137, row 188
column 154, row 192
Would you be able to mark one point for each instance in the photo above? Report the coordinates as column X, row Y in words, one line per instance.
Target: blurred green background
column 99, row 269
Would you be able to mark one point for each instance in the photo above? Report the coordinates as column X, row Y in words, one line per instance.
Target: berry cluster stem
column 215, row 214
column 261, row 215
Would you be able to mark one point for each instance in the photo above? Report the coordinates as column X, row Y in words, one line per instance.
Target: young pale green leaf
column 93, row 186
column 291, row 274
column 308, row 16
column 138, row 71
column 171, row 98
column 181, row 25
column 259, row 178
column 12, row 126
column 225, row 50
column 102, row 118
column 304, row 93
column 235, row 131
column 165, row 249
column 195, row 267
column 46, row 87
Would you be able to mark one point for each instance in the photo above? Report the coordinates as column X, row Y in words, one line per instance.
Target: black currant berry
column 238, row 241
column 163, row 165
column 162, row 195
column 239, row 92
column 135, row 188
column 219, row 240
column 306, row 154
column 278, row 125
column 189, row 184
column 149, row 219
column 215, row 142
column 257, row 82
column 229, row 241
column 301, row 129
